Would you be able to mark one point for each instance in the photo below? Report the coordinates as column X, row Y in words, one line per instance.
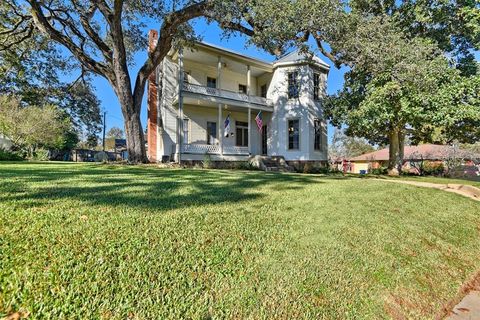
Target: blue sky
column 210, row 33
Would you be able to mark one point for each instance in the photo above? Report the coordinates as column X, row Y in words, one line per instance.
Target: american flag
column 259, row 121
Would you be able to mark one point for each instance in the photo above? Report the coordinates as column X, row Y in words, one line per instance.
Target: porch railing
column 213, row 149
column 221, row 93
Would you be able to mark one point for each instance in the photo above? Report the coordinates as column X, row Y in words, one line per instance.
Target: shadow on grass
column 34, row 184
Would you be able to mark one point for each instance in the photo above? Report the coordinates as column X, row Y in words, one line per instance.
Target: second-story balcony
column 226, row 96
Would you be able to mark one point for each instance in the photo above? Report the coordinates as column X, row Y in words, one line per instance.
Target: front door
column 264, row 140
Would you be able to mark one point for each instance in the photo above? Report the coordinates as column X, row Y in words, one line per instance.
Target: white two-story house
column 207, row 100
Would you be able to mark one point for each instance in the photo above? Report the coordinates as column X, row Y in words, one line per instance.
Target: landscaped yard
column 95, row 241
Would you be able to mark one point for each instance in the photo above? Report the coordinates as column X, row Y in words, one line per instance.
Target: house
column 413, row 156
column 206, row 100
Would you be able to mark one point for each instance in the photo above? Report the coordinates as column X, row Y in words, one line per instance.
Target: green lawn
column 93, row 241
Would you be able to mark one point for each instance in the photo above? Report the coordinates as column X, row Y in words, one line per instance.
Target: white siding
column 304, row 108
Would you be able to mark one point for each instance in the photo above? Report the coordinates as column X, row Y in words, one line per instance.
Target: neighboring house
column 195, row 90
column 5, row 143
column 413, row 156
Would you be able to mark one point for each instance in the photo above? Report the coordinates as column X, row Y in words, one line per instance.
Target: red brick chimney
column 152, row 121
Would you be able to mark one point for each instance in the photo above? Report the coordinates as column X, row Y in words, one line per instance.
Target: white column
column 219, row 72
column 180, row 105
column 220, row 122
column 220, row 128
column 249, row 130
column 248, row 80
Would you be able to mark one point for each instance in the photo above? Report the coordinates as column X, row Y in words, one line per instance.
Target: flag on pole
column 227, row 126
column 259, row 121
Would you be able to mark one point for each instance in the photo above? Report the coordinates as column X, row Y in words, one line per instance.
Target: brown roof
column 423, row 151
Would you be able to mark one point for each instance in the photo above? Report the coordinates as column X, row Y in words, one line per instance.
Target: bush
column 379, row 171
column 207, row 161
column 40, row 155
column 433, row 168
column 6, row 155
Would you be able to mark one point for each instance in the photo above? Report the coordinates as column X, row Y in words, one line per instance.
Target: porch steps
column 271, row 164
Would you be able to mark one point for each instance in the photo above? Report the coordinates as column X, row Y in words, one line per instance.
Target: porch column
column 249, row 131
column 220, row 123
column 219, row 72
column 180, row 105
column 220, row 128
column 248, row 80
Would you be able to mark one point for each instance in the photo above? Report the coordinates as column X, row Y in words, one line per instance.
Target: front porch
column 202, row 132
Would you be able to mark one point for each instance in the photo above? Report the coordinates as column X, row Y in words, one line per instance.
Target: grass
column 94, row 241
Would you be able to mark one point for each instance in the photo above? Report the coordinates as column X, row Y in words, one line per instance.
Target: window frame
column 288, row 134
column 243, row 127
column 241, row 90
column 316, row 86
column 209, row 80
column 214, row 137
column 293, row 85
column 317, row 132
column 263, row 93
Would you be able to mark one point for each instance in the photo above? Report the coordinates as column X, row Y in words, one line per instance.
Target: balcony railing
column 226, row 94
column 213, row 149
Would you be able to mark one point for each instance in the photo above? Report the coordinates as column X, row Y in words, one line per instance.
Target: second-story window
column 293, row 85
column 242, row 88
column 263, row 91
column 211, row 82
column 316, row 86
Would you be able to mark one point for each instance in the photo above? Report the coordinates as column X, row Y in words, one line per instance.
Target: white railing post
column 249, row 131
column 248, row 80
column 180, row 105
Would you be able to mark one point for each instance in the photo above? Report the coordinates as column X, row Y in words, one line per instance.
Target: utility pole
column 104, row 126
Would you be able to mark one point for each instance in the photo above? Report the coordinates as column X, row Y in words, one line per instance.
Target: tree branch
column 167, row 32
column 44, row 26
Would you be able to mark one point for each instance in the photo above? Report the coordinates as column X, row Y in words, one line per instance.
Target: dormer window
column 316, row 86
column 293, row 85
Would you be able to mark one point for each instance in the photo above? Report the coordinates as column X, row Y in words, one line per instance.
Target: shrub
column 6, row 155
column 207, row 161
column 433, row 168
column 40, row 155
column 378, row 171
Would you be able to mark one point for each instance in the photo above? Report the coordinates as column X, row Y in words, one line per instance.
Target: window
column 211, row 132
column 186, row 76
column 263, row 91
column 317, row 127
column 242, row 88
column 186, row 127
column 293, row 85
column 242, row 133
column 294, row 134
column 211, row 82
column 316, row 86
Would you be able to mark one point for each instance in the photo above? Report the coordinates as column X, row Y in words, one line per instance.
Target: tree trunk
column 135, row 138
column 396, row 150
